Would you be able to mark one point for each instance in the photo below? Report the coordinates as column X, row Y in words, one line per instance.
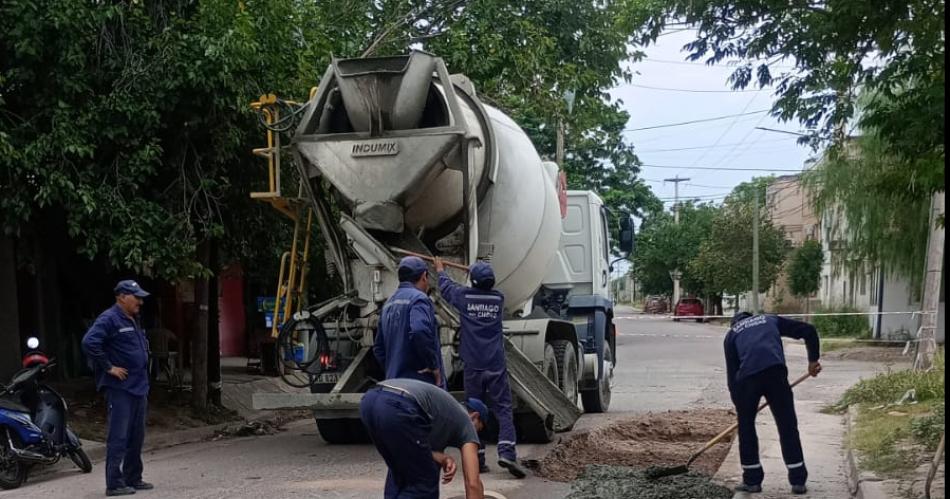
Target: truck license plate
column 328, row 378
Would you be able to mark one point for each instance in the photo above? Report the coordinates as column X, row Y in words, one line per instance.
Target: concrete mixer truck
column 399, row 156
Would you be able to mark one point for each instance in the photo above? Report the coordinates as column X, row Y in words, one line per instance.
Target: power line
column 674, row 149
column 733, row 64
column 701, row 120
column 681, row 167
column 695, row 90
column 727, row 130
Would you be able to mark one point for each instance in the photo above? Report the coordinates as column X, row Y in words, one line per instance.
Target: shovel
column 655, row 473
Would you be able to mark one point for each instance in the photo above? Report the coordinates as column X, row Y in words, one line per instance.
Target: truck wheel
column 566, row 358
column 532, row 429
column 550, row 367
column 598, row 399
column 342, row 431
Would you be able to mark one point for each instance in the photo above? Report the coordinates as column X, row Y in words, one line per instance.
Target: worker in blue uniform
column 755, row 365
column 117, row 348
column 482, row 349
column 411, row 423
column 407, row 341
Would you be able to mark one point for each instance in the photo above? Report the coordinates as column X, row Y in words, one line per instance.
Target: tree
column 663, row 245
column 724, row 261
column 804, row 270
column 869, row 201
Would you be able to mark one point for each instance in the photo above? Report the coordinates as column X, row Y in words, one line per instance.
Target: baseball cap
column 478, row 406
column 411, row 268
column 130, row 287
column 482, row 275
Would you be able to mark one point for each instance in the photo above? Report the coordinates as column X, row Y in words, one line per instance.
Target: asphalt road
column 662, row 365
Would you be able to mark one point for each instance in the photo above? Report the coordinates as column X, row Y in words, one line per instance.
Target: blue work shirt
column 481, row 346
column 754, row 344
column 115, row 339
column 407, row 339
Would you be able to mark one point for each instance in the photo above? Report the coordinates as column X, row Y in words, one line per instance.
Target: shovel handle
column 718, row 438
column 430, row 259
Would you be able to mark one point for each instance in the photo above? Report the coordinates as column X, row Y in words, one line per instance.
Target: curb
column 861, row 484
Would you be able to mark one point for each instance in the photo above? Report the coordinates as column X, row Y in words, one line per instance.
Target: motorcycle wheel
column 12, row 471
column 81, row 460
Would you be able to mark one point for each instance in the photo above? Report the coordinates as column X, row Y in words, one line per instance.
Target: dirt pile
column 614, row 482
column 655, row 439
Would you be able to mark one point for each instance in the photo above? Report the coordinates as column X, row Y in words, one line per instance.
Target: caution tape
column 659, row 317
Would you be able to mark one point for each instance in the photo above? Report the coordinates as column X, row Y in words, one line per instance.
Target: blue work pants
column 772, row 384
column 400, row 431
column 126, row 414
column 492, row 388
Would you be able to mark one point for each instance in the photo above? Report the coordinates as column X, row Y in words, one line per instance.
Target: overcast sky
column 732, row 142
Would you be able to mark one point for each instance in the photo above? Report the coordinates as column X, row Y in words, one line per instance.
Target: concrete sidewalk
column 823, row 441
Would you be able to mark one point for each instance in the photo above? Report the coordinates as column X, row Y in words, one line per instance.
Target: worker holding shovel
column 755, row 364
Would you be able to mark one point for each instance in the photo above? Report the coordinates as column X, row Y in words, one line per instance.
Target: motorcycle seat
column 11, row 405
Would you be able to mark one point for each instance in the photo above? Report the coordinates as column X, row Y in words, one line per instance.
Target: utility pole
column 676, row 274
column 755, row 253
column 930, row 301
column 559, row 148
column 676, row 195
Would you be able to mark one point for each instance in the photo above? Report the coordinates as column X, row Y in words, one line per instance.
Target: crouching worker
column 755, row 364
column 411, row 422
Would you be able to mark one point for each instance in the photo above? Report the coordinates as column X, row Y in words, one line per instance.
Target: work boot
column 752, row 489
column 512, row 466
column 799, row 489
column 121, row 491
column 143, row 486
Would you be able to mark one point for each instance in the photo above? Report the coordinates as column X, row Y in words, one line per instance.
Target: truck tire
column 532, row 429
column 566, row 357
column 598, row 399
column 342, row 431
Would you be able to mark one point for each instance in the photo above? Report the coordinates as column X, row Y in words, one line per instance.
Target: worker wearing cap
column 117, row 348
column 755, row 365
column 407, row 341
column 411, row 423
column 483, row 351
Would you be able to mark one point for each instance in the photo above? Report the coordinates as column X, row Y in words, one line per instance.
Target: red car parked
column 689, row 307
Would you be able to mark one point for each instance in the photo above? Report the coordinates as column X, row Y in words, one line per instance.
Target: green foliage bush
column 889, row 387
column 841, row 326
column 927, row 429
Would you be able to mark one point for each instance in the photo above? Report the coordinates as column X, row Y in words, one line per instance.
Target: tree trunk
column 9, row 310
column 214, row 320
column 199, row 343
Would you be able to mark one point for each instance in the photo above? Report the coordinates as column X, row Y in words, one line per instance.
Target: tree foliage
column 804, row 268
column 663, row 245
column 129, row 120
column 870, row 204
column 724, row 261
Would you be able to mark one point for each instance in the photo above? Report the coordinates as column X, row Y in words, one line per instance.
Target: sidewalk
column 823, row 441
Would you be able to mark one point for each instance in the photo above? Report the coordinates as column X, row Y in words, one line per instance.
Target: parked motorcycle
column 33, row 427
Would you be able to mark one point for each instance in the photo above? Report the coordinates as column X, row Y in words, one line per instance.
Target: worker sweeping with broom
column 755, row 365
